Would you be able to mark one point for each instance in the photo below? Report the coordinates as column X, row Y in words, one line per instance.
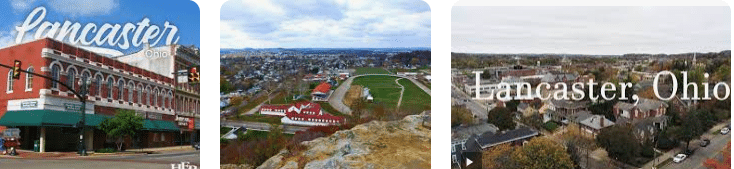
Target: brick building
column 47, row 112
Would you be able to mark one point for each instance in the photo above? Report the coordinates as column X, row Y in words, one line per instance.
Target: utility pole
column 82, row 97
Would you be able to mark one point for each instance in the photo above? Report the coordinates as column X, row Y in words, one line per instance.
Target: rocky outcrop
column 395, row 144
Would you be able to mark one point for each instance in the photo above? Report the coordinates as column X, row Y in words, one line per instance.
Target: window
column 10, row 81
column 55, row 73
column 29, row 79
column 110, row 85
column 85, row 78
column 155, row 98
column 140, row 95
column 120, row 89
column 70, row 77
column 98, row 84
column 130, row 90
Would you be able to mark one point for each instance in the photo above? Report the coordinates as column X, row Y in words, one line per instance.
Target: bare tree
column 269, row 87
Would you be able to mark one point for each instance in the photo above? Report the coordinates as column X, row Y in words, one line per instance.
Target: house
column 321, row 92
column 472, row 147
column 302, row 113
column 646, row 129
column 593, row 124
column 562, row 110
column 310, row 114
column 514, row 137
column 645, row 108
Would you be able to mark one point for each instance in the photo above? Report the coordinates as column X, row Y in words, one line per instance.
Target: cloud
column 69, row 7
column 21, row 5
column 590, row 30
column 335, row 23
column 84, row 7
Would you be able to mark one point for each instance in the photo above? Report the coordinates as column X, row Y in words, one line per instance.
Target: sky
column 184, row 14
column 590, row 30
column 325, row 24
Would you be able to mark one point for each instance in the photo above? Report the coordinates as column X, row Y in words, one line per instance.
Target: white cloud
column 336, row 23
column 84, row 7
column 233, row 38
column 69, row 7
column 21, row 5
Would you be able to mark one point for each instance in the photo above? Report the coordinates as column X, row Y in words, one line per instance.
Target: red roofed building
column 321, row 92
column 302, row 113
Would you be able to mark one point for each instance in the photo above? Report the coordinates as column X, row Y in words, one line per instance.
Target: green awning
column 68, row 119
column 160, row 125
column 41, row 118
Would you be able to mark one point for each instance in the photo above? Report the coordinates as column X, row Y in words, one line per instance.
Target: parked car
column 679, row 158
column 705, row 142
column 725, row 131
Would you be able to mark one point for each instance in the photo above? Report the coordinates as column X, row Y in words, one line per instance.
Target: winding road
column 337, row 97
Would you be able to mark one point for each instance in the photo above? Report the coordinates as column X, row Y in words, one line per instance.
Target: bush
column 550, row 126
column 106, row 150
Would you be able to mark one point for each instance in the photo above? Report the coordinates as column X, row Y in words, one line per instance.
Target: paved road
column 262, row 126
column 695, row 161
column 479, row 110
column 337, row 97
column 155, row 161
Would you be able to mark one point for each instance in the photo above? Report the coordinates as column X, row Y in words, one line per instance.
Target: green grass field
column 387, row 92
column 414, row 98
column 370, row 70
column 383, row 88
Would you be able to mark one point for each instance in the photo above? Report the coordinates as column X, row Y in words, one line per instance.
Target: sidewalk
column 27, row 154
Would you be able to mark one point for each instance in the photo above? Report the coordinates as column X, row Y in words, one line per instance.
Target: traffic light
column 16, row 69
column 194, row 74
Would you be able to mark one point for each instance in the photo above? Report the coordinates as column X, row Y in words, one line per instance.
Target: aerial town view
column 108, row 84
column 590, row 87
column 329, row 84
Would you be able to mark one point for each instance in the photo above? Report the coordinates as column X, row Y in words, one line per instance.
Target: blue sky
column 325, row 24
column 184, row 14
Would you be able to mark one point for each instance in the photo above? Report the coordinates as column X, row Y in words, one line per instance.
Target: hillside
column 404, row 143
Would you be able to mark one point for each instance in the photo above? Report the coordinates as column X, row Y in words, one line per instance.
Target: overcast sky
column 325, row 24
column 590, row 30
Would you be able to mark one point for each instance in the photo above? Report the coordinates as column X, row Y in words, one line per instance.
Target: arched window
column 84, row 79
column 155, row 98
column 110, row 86
column 140, row 94
column 29, row 79
column 97, row 84
column 130, row 91
column 147, row 95
column 10, row 81
column 120, row 89
column 70, row 77
column 55, row 73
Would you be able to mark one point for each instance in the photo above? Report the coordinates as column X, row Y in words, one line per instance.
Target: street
column 262, row 126
column 159, row 161
column 479, row 111
column 718, row 142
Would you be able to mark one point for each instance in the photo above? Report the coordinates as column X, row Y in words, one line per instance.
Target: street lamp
column 83, row 91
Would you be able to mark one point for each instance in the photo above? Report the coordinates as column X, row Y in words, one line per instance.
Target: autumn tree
column 620, row 142
column 541, row 153
column 497, row 157
column 461, row 115
column 501, row 117
column 720, row 163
